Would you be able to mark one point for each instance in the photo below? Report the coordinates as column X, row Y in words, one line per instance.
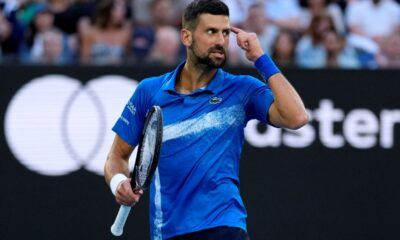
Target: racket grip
column 118, row 227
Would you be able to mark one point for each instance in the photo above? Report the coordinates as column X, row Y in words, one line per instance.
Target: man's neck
column 193, row 77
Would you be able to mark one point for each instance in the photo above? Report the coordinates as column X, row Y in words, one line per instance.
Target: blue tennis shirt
column 196, row 184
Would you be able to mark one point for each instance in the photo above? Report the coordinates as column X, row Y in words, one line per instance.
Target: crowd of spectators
column 297, row 33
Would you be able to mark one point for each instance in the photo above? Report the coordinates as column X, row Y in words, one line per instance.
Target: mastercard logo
column 55, row 125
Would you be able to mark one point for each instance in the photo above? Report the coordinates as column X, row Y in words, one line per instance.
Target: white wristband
column 115, row 181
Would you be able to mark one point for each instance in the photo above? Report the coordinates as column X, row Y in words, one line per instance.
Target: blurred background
column 67, row 68
column 297, row 33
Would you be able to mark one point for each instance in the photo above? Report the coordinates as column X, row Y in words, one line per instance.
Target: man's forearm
column 288, row 109
column 113, row 166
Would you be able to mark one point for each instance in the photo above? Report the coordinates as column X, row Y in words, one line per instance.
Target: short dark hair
column 198, row 7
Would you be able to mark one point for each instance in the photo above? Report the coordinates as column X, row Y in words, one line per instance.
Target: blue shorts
column 217, row 233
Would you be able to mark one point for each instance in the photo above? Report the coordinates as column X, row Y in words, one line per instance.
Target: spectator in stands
column 67, row 16
column 165, row 51
column 5, row 29
column 25, row 10
column 52, row 49
column 311, row 8
column 238, row 10
column 107, row 40
column 67, row 13
column 374, row 19
column 369, row 22
column 389, row 57
column 310, row 50
column 284, row 14
column 11, row 35
column 41, row 33
column 338, row 53
column 12, row 44
column 142, row 10
column 283, row 49
column 161, row 15
column 60, row 10
column 257, row 22
column 42, row 21
column 142, row 42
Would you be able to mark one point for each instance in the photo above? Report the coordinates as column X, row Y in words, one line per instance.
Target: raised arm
column 288, row 110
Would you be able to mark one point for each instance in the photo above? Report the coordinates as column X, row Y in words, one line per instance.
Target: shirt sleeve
column 259, row 99
column 130, row 124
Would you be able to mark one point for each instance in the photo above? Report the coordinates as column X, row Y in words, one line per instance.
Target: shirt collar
column 212, row 87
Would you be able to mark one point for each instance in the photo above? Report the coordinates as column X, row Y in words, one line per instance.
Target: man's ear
column 186, row 37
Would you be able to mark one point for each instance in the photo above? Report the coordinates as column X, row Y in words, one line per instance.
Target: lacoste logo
column 215, row 100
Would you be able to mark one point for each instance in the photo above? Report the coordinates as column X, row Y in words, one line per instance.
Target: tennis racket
column 146, row 162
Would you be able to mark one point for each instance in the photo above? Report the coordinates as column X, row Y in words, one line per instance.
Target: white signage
column 361, row 128
column 54, row 125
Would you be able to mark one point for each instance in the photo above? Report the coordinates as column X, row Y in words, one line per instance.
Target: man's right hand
column 125, row 195
column 248, row 41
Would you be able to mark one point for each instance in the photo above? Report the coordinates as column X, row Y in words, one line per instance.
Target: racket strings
column 147, row 150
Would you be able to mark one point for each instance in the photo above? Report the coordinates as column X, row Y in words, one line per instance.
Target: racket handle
column 118, row 227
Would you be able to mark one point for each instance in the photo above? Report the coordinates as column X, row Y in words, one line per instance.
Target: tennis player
column 195, row 190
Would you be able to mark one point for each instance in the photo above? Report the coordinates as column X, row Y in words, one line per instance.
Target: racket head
column 149, row 149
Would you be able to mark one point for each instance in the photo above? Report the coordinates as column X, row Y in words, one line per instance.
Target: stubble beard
column 205, row 59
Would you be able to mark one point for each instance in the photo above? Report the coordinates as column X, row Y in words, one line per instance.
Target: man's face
column 210, row 40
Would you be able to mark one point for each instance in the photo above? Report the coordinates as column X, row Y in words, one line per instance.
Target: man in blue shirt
column 195, row 190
